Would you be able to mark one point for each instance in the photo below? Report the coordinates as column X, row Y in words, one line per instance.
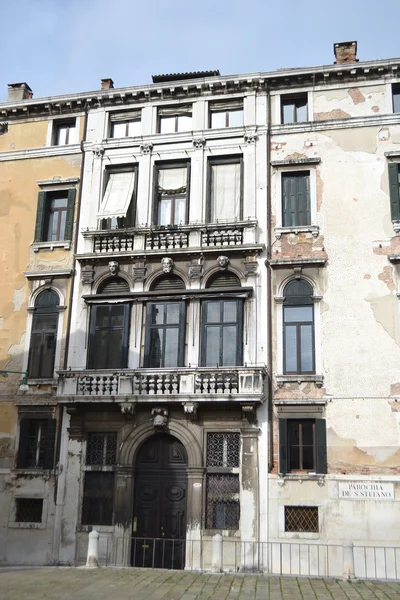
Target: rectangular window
column 36, row 443
column 222, row 325
column 222, row 504
column 28, row 510
column 296, row 205
column 396, row 97
column 42, row 348
column 301, row 518
column 394, row 190
column 64, row 133
column 101, row 449
column 175, row 119
column 223, row 449
column 165, row 334
column 298, row 339
column 125, row 124
column 226, row 114
column 294, row 108
column 55, row 216
column 109, row 334
column 118, row 206
column 302, row 445
column 98, row 498
column 171, row 196
column 225, row 189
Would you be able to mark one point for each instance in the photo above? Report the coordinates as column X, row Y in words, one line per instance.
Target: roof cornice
column 281, row 78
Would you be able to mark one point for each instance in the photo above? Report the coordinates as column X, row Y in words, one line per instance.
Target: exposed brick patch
column 337, row 113
column 302, row 391
column 301, row 245
column 367, row 276
column 356, row 95
column 375, row 108
column 395, row 389
column 392, row 248
column 295, row 156
column 387, row 277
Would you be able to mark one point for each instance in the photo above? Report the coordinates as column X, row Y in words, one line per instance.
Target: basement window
column 28, row 510
column 301, row 519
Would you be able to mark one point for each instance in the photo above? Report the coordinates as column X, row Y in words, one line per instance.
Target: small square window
column 396, row 97
column 28, row 510
column 301, row 519
column 101, row 449
column 294, row 109
column 125, row 124
column 302, row 446
column 226, row 114
column 174, row 119
column 64, row 133
column 36, row 443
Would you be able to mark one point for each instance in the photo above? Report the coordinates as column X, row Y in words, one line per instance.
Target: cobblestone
column 62, row 583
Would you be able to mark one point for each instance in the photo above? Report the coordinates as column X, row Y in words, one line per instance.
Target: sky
column 67, row 46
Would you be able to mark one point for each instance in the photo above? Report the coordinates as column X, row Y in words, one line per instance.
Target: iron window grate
column 223, row 508
column 98, row 498
column 101, row 449
column 301, row 518
column 223, row 449
column 29, row 510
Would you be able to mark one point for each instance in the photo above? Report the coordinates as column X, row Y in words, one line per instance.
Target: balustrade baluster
column 174, row 384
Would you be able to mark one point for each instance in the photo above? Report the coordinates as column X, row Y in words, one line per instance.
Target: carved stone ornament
column 3, row 128
column 139, row 273
column 249, row 413
column 190, row 409
column 167, row 264
column 146, row 148
column 87, row 275
column 128, row 409
column 113, row 266
column 98, row 151
column 223, row 262
column 199, row 143
column 250, row 138
column 160, row 418
column 250, row 267
column 195, row 271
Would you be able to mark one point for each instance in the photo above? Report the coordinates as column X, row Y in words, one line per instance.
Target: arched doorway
column 159, row 516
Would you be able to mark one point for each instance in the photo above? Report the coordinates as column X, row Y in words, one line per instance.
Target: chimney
column 107, row 84
column 19, row 91
column 345, row 52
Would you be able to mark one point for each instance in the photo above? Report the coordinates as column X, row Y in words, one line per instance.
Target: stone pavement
column 64, row 583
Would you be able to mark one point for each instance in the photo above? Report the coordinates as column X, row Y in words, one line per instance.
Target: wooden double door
column 159, row 517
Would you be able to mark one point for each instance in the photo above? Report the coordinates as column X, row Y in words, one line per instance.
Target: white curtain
column 225, row 192
column 171, row 180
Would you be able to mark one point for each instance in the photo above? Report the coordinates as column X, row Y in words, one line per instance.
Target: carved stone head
column 113, row 266
column 167, row 264
column 223, row 262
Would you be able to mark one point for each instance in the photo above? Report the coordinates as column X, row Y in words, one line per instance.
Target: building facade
column 227, row 320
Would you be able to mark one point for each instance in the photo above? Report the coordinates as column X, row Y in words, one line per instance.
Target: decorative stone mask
column 167, row 264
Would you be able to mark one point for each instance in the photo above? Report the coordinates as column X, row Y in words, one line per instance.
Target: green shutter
column 283, row 454
column 50, row 441
column 40, row 214
column 394, row 191
column 69, row 222
column 23, row 443
column 320, row 438
column 286, row 222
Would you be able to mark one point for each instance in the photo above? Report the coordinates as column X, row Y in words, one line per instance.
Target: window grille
column 29, row 510
column 101, row 449
column 223, row 508
column 301, row 518
column 223, row 449
column 98, row 496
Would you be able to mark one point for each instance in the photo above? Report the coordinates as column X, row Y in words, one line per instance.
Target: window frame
column 224, row 160
column 45, row 198
column 287, row 170
column 298, row 325
column 125, row 334
column 223, row 107
column 395, row 89
column 159, row 166
column 180, row 111
column 320, row 466
column 37, row 311
column 61, row 124
column 150, row 327
column 239, row 331
column 129, row 220
column 306, row 183
column 286, row 100
column 118, row 118
column 22, row 456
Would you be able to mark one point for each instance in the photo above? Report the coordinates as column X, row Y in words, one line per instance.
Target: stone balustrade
column 200, row 382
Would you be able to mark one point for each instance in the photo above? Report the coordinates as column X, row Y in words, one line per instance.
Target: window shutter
column 283, row 457
column 23, row 443
column 320, row 437
column 394, row 191
column 69, row 222
column 286, row 222
column 41, row 209
column 48, row 462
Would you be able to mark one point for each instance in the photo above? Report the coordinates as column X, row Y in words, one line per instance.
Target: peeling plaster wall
column 349, row 102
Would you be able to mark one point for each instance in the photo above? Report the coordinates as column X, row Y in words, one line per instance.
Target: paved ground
column 156, row 584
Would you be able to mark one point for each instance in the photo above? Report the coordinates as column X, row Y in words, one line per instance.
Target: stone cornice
column 43, row 152
column 282, row 78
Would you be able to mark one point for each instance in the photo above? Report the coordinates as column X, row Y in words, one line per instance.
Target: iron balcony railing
column 200, row 382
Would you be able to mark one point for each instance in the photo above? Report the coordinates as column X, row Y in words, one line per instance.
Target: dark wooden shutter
column 48, row 462
column 283, row 453
column 394, row 191
column 40, row 214
column 69, row 222
column 320, row 438
column 23, row 443
column 286, row 201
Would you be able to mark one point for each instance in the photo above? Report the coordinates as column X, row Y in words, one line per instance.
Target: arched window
column 222, row 325
column 109, row 328
column 42, row 349
column 298, row 328
column 165, row 326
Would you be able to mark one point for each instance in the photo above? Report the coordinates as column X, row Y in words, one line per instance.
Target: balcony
column 147, row 385
column 187, row 238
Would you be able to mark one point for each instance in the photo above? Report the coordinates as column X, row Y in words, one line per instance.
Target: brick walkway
column 148, row 584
